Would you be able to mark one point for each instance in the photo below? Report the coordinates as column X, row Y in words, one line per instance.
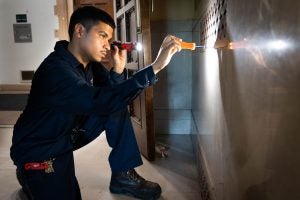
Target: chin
column 98, row 59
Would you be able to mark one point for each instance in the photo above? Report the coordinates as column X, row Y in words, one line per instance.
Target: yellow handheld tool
column 190, row 45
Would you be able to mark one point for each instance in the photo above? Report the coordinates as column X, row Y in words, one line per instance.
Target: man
column 74, row 98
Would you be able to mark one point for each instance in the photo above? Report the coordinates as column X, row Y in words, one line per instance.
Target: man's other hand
column 119, row 59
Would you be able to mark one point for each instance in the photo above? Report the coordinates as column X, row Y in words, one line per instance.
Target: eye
column 101, row 35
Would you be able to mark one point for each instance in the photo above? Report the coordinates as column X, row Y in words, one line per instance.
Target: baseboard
column 15, row 88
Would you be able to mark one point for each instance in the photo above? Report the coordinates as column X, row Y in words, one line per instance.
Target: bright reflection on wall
column 277, row 44
column 210, row 92
column 258, row 48
column 256, row 44
column 211, row 70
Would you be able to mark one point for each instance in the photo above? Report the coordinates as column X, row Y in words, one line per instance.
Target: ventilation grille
column 213, row 24
column 205, row 194
column 203, row 183
column 27, row 75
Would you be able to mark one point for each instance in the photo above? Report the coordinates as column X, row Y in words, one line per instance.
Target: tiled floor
column 177, row 174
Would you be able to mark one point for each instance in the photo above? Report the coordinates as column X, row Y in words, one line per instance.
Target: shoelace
column 134, row 176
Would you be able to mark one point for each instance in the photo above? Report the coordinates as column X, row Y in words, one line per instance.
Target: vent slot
column 27, row 75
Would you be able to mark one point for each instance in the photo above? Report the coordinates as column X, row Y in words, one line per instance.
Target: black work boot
column 130, row 183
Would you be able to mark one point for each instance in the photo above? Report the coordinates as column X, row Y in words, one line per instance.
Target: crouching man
column 73, row 99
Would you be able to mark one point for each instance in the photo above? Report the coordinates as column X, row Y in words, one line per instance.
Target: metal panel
column 246, row 95
column 22, row 33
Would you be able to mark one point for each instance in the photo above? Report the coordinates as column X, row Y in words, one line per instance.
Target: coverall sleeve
column 103, row 77
column 61, row 88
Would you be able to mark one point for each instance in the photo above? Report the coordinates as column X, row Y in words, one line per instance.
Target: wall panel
column 246, row 99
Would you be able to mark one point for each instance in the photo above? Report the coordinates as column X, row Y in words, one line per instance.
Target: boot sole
column 128, row 192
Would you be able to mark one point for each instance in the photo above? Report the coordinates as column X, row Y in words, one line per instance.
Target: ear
column 79, row 30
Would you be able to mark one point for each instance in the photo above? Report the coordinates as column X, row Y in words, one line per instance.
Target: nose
column 107, row 45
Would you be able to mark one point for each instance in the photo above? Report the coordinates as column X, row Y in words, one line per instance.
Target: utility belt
column 47, row 166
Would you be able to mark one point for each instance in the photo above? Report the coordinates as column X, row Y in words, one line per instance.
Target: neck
column 74, row 49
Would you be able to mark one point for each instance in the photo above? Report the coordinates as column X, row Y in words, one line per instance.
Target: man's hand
column 169, row 47
column 119, row 59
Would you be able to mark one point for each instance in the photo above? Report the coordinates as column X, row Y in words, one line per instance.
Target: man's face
column 95, row 43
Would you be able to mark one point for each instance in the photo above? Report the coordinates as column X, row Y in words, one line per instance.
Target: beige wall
column 25, row 56
column 246, row 101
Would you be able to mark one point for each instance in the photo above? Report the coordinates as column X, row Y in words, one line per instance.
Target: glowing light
column 238, row 44
column 139, row 46
column 277, row 44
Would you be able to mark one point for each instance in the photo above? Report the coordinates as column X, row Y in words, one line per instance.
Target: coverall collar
column 61, row 48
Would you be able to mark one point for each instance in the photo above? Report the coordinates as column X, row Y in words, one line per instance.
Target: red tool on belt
column 47, row 166
column 36, row 166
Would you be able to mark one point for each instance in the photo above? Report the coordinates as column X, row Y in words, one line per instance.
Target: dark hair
column 89, row 16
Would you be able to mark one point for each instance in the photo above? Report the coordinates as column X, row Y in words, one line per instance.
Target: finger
column 177, row 43
column 167, row 42
column 174, row 50
column 168, row 39
column 115, row 51
column 123, row 53
column 173, row 39
column 175, row 46
column 178, row 39
column 116, row 48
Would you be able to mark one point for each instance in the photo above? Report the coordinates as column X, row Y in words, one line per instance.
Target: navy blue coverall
column 62, row 92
